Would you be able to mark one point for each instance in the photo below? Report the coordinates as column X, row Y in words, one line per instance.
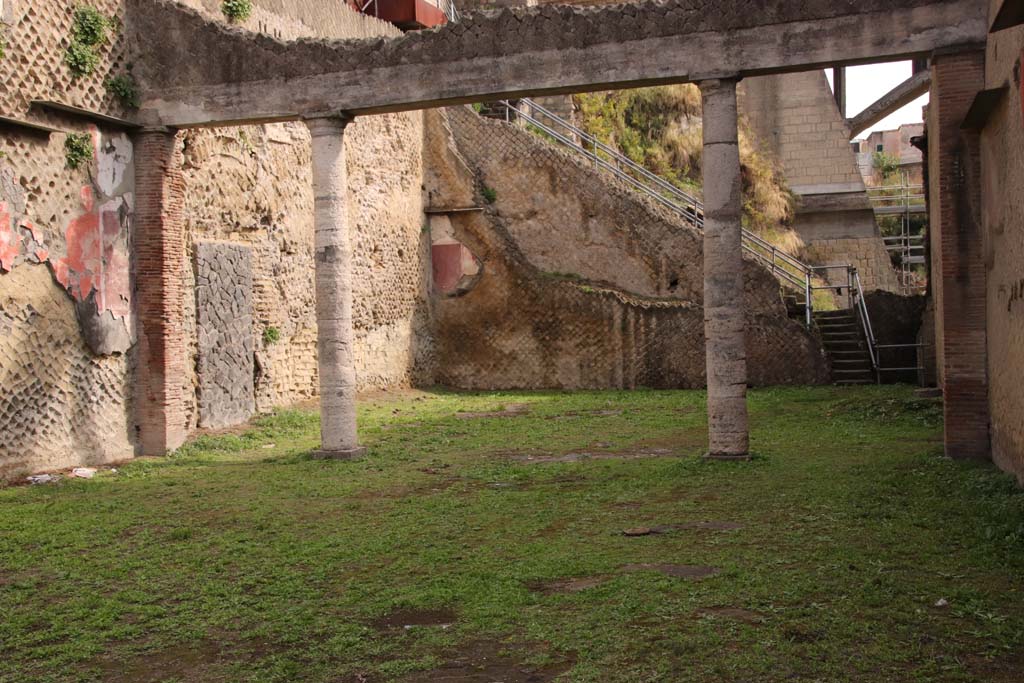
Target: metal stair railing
column 782, row 265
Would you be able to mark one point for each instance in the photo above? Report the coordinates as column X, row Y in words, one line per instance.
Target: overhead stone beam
column 900, row 96
column 207, row 73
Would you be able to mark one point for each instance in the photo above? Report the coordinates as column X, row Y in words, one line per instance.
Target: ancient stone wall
column 66, row 373
column 1002, row 172
column 593, row 286
column 65, row 294
column 252, row 185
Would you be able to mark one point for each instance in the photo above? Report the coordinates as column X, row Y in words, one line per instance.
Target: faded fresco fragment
column 94, row 267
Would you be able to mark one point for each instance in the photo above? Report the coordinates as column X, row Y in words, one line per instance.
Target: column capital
column 328, row 124
column 718, row 81
column 155, row 129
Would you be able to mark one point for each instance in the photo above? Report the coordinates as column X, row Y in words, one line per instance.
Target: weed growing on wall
column 271, row 335
column 490, row 194
column 237, row 10
column 126, row 91
column 88, row 31
column 77, row 150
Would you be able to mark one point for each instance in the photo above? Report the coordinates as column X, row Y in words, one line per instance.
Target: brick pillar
column 158, row 242
column 957, row 258
column 333, row 255
column 724, row 319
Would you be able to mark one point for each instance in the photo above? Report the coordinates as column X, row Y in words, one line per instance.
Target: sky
column 865, row 84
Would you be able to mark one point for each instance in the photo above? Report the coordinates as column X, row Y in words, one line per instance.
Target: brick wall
column 957, row 267
column 158, row 264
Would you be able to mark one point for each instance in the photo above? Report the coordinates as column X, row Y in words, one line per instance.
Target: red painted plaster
column 93, row 261
column 10, row 240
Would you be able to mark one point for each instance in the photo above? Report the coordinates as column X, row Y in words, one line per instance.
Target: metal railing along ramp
column 788, row 269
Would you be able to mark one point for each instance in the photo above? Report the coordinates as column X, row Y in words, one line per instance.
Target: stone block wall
column 797, row 119
column 582, row 282
column 868, row 255
column 1002, row 170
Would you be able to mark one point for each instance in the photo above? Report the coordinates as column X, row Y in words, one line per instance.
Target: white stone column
column 724, row 318
column 333, row 254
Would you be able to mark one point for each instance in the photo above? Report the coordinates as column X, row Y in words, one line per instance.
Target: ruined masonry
column 283, row 219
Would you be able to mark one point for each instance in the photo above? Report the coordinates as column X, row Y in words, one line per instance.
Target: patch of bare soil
column 405, row 619
column 196, row 661
column 532, row 459
column 511, row 410
column 681, row 571
column 487, row 661
column 668, row 528
column 566, row 585
column 573, row 414
column 737, row 613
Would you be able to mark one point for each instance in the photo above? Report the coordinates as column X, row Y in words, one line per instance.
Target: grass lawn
column 484, row 547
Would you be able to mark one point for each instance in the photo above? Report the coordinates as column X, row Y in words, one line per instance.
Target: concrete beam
column 900, row 96
column 208, row 73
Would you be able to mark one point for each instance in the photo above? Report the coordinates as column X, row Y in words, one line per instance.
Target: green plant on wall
column 88, row 31
column 490, row 194
column 271, row 335
column 77, row 150
column 126, row 91
column 237, row 10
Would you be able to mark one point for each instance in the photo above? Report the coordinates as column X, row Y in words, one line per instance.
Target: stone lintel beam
column 332, row 245
column 724, row 317
column 900, row 96
column 208, row 73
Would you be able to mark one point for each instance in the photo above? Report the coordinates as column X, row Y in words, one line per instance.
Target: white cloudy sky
column 865, row 84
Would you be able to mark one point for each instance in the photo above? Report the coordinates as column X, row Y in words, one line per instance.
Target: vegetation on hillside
column 660, row 128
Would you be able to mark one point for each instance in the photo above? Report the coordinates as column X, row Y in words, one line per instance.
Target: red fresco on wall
column 93, row 262
column 10, row 240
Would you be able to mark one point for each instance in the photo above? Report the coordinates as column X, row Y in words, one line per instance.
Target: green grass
column 240, row 559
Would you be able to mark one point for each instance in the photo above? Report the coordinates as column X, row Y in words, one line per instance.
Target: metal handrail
column 685, row 204
column 857, row 290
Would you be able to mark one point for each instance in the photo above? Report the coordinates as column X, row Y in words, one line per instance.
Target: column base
column 725, row 456
column 341, row 454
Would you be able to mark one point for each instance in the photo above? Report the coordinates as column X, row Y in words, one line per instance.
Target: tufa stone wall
column 1002, row 173
column 250, row 186
column 593, row 286
column 65, row 288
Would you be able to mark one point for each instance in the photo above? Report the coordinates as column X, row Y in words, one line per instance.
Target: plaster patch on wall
column 94, row 268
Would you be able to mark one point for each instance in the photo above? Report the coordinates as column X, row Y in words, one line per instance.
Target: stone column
column 724, row 319
column 158, row 261
column 958, row 276
column 333, row 254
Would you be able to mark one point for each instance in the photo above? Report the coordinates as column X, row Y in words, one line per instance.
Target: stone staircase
column 843, row 341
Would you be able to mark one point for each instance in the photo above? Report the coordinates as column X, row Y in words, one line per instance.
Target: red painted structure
column 409, row 15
